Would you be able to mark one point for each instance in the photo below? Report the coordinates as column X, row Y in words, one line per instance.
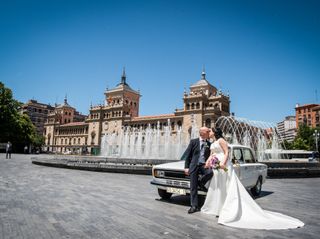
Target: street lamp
column 316, row 135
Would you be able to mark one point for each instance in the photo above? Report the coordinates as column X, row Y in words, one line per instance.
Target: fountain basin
column 279, row 169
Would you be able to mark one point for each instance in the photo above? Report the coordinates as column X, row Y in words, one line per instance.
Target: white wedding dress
column 228, row 199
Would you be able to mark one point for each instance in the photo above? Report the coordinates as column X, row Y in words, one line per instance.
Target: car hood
column 179, row 165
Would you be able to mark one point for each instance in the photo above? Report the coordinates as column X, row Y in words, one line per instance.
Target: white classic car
column 170, row 179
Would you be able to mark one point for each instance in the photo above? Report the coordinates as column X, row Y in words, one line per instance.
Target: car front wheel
column 164, row 194
column 256, row 190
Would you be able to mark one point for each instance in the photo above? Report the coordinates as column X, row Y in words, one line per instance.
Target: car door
column 237, row 160
column 249, row 167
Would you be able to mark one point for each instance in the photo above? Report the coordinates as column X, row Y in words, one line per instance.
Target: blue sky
column 266, row 54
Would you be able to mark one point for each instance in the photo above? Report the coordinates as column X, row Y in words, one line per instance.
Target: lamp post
column 316, row 135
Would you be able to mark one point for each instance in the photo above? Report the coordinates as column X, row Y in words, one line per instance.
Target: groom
column 195, row 158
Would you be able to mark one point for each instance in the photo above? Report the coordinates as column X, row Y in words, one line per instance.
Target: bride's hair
column 217, row 133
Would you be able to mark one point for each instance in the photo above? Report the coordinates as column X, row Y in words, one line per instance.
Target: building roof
column 202, row 82
column 74, row 124
column 65, row 104
column 37, row 104
column 306, row 105
column 123, row 85
column 316, row 108
column 153, row 117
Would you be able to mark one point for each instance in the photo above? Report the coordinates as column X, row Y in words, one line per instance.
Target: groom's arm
column 187, row 155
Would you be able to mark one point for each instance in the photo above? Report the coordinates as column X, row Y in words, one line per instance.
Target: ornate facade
column 66, row 130
column 203, row 104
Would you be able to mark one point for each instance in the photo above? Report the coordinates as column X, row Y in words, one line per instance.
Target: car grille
column 174, row 174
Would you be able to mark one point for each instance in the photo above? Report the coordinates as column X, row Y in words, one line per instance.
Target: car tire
column 256, row 190
column 164, row 194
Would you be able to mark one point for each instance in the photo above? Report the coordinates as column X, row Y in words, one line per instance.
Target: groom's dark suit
column 195, row 156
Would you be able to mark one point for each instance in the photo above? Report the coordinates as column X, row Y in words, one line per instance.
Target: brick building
column 38, row 113
column 308, row 114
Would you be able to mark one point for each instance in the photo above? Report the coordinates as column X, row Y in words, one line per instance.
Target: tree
column 305, row 139
column 38, row 140
column 300, row 143
column 287, row 145
column 14, row 127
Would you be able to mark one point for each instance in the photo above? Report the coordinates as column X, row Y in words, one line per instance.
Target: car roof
column 238, row 146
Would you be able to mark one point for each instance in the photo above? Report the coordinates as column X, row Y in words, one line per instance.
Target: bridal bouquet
column 215, row 163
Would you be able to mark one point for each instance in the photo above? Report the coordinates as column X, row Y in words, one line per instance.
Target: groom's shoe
column 193, row 210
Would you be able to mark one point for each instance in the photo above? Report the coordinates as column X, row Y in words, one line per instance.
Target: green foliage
column 14, row 126
column 305, row 139
column 38, row 140
column 287, row 145
column 300, row 143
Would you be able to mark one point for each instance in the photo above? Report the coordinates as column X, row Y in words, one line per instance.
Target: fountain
column 255, row 134
column 148, row 143
column 157, row 143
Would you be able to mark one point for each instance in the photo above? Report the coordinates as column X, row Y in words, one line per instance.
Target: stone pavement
column 46, row 202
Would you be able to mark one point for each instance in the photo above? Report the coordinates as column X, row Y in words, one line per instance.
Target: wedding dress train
column 228, row 199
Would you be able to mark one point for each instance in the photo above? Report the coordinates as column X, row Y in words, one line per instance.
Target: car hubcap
column 258, row 186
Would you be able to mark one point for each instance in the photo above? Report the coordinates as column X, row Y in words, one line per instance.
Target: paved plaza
column 45, row 202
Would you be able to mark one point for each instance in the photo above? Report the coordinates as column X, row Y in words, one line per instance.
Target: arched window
column 93, row 135
column 198, row 106
column 192, row 106
column 188, row 106
column 208, row 123
column 49, row 139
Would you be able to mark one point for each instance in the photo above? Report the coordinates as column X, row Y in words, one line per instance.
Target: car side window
column 237, row 156
column 248, row 157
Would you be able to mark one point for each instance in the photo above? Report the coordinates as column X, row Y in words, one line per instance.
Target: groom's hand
column 186, row 171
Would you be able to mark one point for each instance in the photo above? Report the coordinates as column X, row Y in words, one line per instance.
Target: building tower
column 121, row 103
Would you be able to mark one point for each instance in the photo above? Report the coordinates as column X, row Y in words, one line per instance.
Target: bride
column 229, row 200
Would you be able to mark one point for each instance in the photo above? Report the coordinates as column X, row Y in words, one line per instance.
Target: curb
column 144, row 166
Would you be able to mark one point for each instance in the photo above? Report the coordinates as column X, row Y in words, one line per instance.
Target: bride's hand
column 207, row 165
column 222, row 166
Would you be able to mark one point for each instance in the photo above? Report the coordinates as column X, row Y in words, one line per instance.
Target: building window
column 208, row 123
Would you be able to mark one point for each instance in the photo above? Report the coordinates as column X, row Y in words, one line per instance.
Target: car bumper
column 164, row 184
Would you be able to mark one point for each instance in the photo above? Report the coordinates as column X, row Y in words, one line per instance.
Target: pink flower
column 215, row 163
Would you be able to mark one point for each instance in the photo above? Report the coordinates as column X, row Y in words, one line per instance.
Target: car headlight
column 159, row 173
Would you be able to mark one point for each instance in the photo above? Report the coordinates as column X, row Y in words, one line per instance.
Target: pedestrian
column 8, row 150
